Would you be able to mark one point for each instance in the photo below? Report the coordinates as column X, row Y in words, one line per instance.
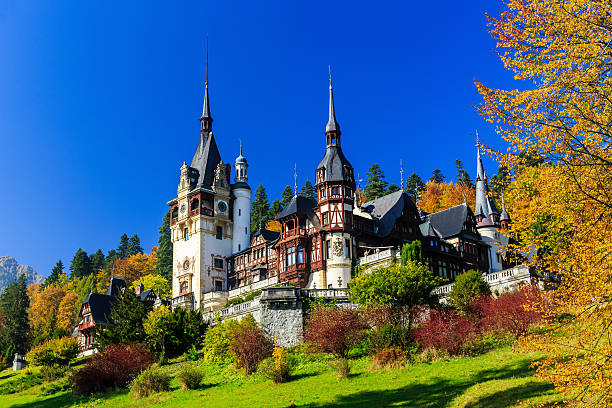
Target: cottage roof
column 450, row 222
column 298, row 205
column 387, row 209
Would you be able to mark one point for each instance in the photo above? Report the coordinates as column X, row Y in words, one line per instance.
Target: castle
column 320, row 241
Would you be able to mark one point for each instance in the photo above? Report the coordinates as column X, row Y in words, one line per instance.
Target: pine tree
column 56, row 272
column 307, row 190
column 164, row 252
column 286, row 196
column 14, row 304
column 124, row 247
column 275, row 209
column 134, row 247
column 462, row 176
column 81, row 265
column 110, row 259
column 260, row 211
column 392, row 188
column 437, row 176
column 97, row 261
column 414, row 184
column 125, row 321
column 376, row 186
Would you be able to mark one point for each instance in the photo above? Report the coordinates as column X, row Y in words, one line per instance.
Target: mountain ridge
column 10, row 269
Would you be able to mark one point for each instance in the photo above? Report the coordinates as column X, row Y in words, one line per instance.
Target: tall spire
column 295, row 179
column 332, row 129
column 401, row 175
column 206, row 118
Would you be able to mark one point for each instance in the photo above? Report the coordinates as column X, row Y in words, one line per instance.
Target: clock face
column 222, row 206
column 183, row 208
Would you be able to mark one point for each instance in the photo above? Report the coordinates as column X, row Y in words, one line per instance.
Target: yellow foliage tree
column 136, row 266
column 44, row 305
column 440, row 196
column 66, row 313
column 155, row 282
column 561, row 206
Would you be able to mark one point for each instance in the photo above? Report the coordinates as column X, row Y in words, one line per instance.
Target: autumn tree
column 165, row 249
column 136, row 266
column 44, row 307
column 557, row 124
column 66, row 313
column 440, row 196
column 377, row 186
column 158, row 284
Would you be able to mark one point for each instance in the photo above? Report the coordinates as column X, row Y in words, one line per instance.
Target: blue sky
column 99, row 103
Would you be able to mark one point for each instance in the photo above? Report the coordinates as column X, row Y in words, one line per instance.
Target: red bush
column 334, row 331
column 510, row 311
column 112, row 368
column 445, row 329
column 248, row 345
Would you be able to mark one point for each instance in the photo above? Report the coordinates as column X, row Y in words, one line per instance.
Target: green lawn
column 501, row 378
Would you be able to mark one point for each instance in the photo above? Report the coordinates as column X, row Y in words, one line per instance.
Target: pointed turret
column 332, row 129
column 484, row 207
column 206, row 118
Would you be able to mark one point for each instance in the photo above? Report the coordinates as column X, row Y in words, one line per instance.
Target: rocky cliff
column 11, row 269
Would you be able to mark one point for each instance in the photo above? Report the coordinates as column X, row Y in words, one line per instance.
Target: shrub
column 114, row 367
column 341, row 367
column 193, row 354
column 486, row 342
column 149, row 382
column 389, row 336
column 55, row 387
column 510, row 312
column 248, row 345
column 468, row 286
column 216, row 345
column 9, row 355
column 235, row 301
column 389, row 358
column 60, row 332
column 276, row 368
column 334, row 330
column 190, row 378
column 445, row 330
column 429, row 354
column 52, row 373
column 54, row 352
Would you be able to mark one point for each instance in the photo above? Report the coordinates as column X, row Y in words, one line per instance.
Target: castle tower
column 242, row 205
column 487, row 218
column 200, row 224
column 335, row 187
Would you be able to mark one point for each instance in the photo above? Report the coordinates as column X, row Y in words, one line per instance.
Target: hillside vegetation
column 500, row 378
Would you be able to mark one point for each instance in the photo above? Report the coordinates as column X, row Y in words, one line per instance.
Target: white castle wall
column 242, row 219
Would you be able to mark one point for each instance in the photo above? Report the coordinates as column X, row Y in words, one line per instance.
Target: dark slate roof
column 387, row 209
column 267, row 234
column 206, row 159
column 450, row 222
column 427, row 230
column 144, row 294
column 116, row 284
column 334, row 162
column 240, row 184
column 300, row 205
column 100, row 306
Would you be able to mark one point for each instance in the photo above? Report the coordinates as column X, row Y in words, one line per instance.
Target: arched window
column 184, row 287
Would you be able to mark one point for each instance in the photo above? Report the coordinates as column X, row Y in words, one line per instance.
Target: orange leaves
column 440, row 196
column 136, row 266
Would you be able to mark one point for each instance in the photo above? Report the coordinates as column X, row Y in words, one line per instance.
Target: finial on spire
column 401, row 175
column 295, row 179
column 332, row 123
column 240, row 146
column 206, row 117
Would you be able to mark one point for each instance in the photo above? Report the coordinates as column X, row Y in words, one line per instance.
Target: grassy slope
column 499, row 379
